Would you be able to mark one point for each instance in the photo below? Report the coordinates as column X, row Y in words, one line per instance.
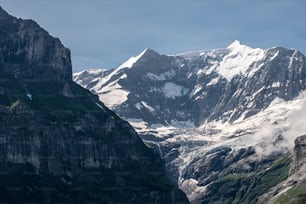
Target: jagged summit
column 236, row 44
column 239, row 60
column 149, row 52
column 146, row 53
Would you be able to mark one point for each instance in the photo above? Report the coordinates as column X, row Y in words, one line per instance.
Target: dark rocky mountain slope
column 58, row 142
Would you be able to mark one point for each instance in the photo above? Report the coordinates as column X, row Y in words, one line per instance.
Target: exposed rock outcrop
column 293, row 189
column 299, row 154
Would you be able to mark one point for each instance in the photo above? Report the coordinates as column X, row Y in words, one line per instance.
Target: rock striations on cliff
column 58, row 143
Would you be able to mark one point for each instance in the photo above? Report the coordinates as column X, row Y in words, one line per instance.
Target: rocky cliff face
column 30, row 53
column 299, row 156
column 292, row 189
column 58, row 143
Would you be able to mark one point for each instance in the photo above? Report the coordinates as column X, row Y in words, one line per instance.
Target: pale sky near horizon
column 105, row 33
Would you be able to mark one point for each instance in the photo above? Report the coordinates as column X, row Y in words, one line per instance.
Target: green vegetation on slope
column 246, row 188
column 295, row 195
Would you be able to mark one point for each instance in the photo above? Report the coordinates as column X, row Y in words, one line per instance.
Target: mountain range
column 226, row 121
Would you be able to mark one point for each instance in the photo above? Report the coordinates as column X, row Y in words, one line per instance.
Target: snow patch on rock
column 113, row 95
column 171, row 90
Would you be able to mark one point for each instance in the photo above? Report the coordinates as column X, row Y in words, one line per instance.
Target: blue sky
column 104, row 33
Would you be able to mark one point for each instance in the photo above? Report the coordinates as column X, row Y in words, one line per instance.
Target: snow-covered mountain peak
column 149, row 52
column 235, row 45
column 132, row 60
column 239, row 60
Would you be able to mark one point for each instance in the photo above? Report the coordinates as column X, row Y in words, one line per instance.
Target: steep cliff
column 58, row 143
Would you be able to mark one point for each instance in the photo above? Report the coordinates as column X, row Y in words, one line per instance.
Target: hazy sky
column 104, row 33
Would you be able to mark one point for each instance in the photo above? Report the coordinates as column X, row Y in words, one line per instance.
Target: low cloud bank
column 279, row 136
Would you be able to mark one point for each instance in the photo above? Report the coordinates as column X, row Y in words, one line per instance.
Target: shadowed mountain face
column 58, row 143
